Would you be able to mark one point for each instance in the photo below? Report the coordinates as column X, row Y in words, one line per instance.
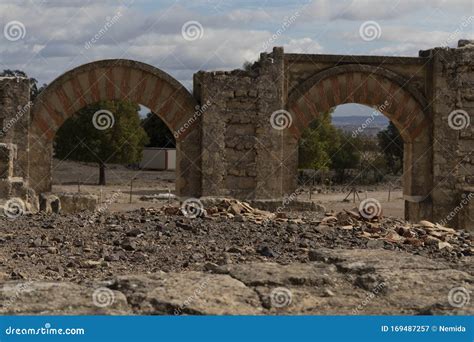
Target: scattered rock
column 129, row 244
column 267, row 252
column 375, row 244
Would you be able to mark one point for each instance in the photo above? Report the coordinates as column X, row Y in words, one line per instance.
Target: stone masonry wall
column 453, row 145
column 14, row 119
column 228, row 133
column 242, row 153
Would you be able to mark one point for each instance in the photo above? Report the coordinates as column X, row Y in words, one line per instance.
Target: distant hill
column 372, row 124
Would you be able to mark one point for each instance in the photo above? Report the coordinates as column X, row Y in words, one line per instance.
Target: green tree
column 157, row 131
column 315, row 144
column 391, row 144
column 345, row 154
column 323, row 147
column 372, row 165
column 89, row 136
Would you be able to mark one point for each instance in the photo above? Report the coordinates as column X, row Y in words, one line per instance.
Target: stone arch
column 112, row 80
column 390, row 94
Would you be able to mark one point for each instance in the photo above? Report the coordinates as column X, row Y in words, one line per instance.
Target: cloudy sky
column 48, row 37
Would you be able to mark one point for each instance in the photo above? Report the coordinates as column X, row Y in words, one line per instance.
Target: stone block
column 240, row 93
column 233, row 182
column 466, row 217
column 7, row 157
column 76, row 202
column 274, row 205
column 5, row 188
column 49, row 203
column 18, row 187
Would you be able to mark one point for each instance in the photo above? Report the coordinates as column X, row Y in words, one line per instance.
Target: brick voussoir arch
column 113, row 79
column 363, row 84
column 392, row 95
column 116, row 79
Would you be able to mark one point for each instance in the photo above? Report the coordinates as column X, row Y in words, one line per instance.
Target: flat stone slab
column 191, row 292
column 332, row 282
column 60, row 298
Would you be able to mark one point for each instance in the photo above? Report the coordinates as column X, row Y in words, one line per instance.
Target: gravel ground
column 88, row 246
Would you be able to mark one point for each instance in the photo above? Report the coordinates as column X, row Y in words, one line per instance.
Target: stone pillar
column 14, row 119
column 243, row 156
column 277, row 148
column 453, row 132
column 7, row 157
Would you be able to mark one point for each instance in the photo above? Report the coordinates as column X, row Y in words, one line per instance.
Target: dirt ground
column 150, row 260
column 74, row 176
column 67, row 175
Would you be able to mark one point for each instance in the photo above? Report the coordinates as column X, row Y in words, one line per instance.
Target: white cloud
column 405, row 49
column 380, row 9
column 57, row 31
column 303, row 45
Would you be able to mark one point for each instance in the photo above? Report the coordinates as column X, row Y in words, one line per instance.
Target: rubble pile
column 224, row 208
column 91, row 245
column 371, row 227
column 398, row 231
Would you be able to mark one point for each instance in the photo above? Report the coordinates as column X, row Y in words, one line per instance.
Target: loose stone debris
column 332, row 281
column 152, row 257
column 374, row 227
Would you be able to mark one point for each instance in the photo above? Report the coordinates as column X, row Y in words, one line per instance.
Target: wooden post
column 131, row 190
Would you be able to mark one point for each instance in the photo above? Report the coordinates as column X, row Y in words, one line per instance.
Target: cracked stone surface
column 56, row 298
column 333, row 281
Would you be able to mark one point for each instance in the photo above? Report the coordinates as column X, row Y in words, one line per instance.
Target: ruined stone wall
column 14, row 152
column 453, row 135
column 14, row 119
column 300, row 67
column 242, row 153
column 240, row 144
